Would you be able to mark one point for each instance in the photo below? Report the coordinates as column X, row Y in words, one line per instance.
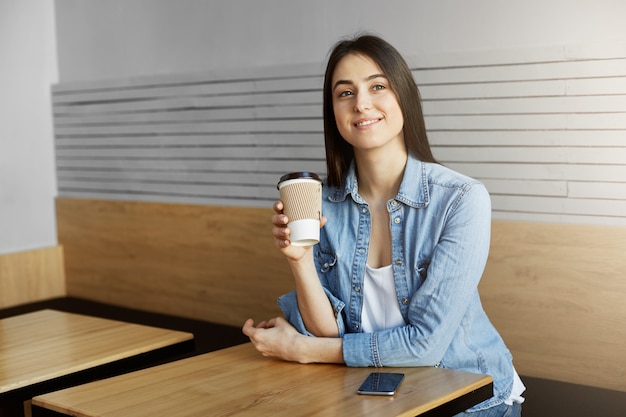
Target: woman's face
column 366, row 108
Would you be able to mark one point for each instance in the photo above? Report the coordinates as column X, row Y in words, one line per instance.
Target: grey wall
column 528, row 97
column 122, row 38
column 126, row 39
column 543, row 128
column 27, row 177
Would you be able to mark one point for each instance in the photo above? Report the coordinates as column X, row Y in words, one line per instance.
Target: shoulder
column 440, row 175
column 461, row 188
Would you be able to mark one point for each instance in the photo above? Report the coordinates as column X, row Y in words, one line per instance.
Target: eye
column 345, row 93
column 378, row 87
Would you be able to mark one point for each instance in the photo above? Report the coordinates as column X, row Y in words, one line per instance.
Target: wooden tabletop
column 48, row 344
column 239, row 381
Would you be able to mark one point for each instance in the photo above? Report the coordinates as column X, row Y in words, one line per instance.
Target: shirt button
column 394, row 203
column 405, row 301
column 397, row 220
column 357, row 288
column 363, row 210
column 398, row 261
column 361, row 251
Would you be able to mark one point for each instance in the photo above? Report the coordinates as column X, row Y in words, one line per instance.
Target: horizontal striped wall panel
column 543, row 128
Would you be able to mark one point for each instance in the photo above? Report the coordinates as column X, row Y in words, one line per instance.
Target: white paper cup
column 301, row 194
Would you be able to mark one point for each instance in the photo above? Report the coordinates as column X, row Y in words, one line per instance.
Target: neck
column 380, row 175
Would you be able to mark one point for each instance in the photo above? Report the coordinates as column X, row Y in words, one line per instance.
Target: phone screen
column 381, row 383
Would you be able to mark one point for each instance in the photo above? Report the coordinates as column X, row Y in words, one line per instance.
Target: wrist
column 305, row 261
column 319, row 349
column 301, row 345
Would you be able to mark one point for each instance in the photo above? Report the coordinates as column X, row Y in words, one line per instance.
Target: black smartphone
column 381, row 383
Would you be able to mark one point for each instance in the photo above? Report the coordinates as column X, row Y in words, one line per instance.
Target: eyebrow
column 343, row 82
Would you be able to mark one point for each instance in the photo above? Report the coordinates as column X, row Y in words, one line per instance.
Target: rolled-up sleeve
column 288, row 303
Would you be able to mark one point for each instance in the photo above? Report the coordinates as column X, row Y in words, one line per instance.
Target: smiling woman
column 388, row 71
column 366, row 108
column 403, row 238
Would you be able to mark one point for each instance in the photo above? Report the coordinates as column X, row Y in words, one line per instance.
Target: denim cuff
column 359, row 349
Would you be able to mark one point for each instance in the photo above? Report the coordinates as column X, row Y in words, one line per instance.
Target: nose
column 362, row 102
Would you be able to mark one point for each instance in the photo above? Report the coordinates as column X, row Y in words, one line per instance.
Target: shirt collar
column 413, row 188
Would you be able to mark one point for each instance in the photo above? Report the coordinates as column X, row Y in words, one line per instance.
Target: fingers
column 253, row 332
column 278, row 206
column 281, row 237
column 280, row 322
column 280, row 220
column 280, row 231
column 272, row 338
column 282, row 243
column 248, row 327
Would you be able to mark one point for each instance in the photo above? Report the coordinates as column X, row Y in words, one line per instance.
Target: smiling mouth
column 367, row 122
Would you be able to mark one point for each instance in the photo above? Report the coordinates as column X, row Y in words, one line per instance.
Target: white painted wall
column 115, row 39
column 121, row 38
column 27, row 176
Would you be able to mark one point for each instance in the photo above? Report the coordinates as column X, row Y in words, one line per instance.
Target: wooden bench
column 30, row 276
column 209, row 263
column 555, row 292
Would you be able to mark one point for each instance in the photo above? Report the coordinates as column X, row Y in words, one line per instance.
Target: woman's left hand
column 275, row 338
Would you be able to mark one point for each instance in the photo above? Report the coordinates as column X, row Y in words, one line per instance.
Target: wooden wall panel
column 213, row 263
column 556, row 293
column 31, row 276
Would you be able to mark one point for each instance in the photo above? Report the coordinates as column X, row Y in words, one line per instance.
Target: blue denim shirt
column 440, row 233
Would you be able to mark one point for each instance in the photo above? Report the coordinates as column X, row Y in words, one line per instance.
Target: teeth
column 367, row 122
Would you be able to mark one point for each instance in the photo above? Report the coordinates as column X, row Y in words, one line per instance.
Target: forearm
column 315, row 308
column 320, row 350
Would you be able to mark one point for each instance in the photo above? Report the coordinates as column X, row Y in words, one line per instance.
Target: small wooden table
column 48, row 350
column 239, row 381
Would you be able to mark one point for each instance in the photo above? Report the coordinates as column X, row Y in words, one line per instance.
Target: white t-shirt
column 380, row 302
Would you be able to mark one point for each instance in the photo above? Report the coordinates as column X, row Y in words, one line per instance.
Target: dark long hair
column 339, row 153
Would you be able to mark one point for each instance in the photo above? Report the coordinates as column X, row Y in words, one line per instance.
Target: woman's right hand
column 281, row 235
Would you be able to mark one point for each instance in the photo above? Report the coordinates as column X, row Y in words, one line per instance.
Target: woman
column 393, row 280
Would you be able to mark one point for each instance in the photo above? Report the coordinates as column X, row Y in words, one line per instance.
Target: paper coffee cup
column 301, row 194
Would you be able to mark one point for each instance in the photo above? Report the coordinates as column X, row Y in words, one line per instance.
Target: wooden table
column 48, row 350
column 239, row 381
